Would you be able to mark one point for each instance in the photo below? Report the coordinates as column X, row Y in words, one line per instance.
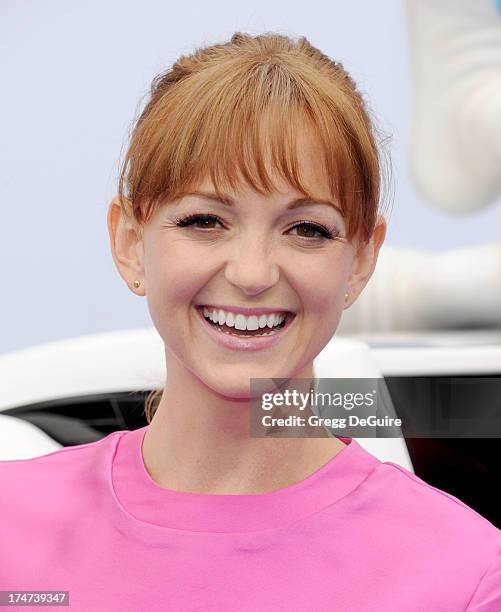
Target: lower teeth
column 246, row 335
column 224, row 331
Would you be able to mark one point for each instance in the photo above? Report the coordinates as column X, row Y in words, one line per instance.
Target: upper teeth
column 240, row 321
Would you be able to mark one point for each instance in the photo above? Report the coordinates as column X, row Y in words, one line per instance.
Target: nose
column 252, row 268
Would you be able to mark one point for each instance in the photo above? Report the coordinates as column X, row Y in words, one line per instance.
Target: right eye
column 203, row 219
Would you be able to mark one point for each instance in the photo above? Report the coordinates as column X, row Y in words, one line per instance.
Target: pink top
column 358, row 534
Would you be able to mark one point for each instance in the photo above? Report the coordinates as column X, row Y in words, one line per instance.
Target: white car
column 79, row 390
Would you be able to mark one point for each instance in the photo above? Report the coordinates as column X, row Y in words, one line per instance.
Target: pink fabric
column 358, row 534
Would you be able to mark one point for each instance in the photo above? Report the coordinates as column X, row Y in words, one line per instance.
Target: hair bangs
column 234, row 139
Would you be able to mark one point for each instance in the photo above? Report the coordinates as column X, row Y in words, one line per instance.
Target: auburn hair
column 205, row 114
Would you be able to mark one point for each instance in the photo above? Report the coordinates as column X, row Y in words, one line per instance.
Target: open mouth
column 242, row 333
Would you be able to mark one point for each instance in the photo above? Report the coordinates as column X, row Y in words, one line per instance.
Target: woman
column 247, row 214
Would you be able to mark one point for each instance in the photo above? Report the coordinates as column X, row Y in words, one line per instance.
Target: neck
column 199, row 441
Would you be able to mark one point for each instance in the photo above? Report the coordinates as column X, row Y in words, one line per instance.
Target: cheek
column 173, row 281
column 174, row 274
column 321, row 285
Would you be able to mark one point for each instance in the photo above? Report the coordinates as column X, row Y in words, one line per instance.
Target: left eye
column 305, row 230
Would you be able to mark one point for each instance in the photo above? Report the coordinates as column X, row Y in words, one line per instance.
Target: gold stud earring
column 346, row 295
column 137, row 283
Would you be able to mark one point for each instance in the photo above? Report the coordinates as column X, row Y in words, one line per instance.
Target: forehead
column 310, row 166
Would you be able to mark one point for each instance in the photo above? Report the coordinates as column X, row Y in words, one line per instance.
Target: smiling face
column 250, row 251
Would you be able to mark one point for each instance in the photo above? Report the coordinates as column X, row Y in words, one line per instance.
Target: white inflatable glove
column 455, row 142
column 428, row 290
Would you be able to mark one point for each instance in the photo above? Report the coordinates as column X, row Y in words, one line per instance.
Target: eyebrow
column 296, row 203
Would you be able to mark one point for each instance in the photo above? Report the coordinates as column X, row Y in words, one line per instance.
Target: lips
column 288, row 316
column 261, row 331
column 247, row 341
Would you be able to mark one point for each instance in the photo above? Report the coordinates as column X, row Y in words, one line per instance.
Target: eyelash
column 192, row 219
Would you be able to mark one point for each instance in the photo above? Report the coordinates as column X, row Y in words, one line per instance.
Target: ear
column 127, row 247
column 365, row 260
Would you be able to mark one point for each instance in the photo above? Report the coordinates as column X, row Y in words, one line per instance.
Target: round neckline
column 146, row 501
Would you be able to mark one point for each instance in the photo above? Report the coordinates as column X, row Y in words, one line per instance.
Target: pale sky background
column 73, row 75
